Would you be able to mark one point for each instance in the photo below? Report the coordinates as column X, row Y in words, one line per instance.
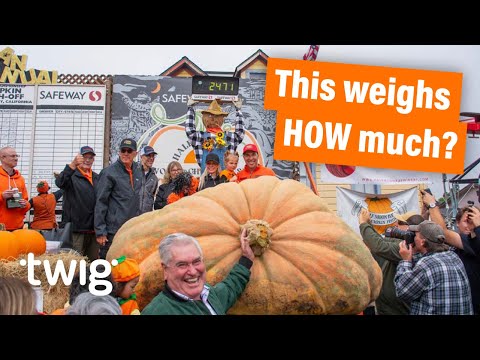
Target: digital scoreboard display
column 215, row 87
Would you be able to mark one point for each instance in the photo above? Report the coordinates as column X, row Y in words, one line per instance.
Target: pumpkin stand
column 308, row 261
column 54, row 297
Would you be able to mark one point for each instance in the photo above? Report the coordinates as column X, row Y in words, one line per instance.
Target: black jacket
column 78, row 199
column 116, row 200
column 164, row 191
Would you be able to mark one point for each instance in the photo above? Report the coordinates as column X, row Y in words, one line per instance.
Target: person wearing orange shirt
column 14, row 200
column 252, row 168
column 43, row 206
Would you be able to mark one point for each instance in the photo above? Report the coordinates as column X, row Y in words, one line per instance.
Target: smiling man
column 252, row 168
column 186, row 291
column 78, row 181
column 117, row 195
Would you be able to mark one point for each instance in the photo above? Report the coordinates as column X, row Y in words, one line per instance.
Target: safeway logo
column 95, row 95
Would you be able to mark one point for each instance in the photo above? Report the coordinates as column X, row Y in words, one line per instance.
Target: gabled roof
column 258, row 55
column 183, row 64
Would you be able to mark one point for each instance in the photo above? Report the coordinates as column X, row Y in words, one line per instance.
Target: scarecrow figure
column 214, row 139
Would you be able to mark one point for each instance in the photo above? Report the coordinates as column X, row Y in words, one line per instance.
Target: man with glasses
column 117, row 195
column 184, row 271
column 14, row 200
column 252, row 168
column 78, row 182
column 149, row 179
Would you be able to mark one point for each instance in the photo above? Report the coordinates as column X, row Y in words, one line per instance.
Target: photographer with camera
column 466, row 241
column 14, row 200
column 436, row 283
column 387, row 253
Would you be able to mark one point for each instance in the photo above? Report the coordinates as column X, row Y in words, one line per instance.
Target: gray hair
column 175, row 239
column 17, row 297
column 90, row 304
column 4, row 150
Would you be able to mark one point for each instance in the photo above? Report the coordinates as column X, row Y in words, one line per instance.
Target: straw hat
column 214, row 109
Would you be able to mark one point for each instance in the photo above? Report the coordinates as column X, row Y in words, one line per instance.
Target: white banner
column 345, row 174
column 381, row 206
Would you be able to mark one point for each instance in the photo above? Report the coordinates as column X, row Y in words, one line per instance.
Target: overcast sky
column 144, row 59
column 154, row 59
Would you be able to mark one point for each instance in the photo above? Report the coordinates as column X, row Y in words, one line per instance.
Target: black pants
column 370, row 310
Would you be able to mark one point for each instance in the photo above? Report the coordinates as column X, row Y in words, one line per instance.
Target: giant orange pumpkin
column 309, row 261
column 30, row 241
column 8, row 246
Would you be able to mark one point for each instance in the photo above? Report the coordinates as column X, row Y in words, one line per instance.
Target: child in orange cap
column 126, row 274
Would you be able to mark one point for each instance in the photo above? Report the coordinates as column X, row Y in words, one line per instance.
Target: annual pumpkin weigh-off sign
column 362, row 115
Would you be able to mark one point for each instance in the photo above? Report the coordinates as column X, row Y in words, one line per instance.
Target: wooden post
column 310, row 177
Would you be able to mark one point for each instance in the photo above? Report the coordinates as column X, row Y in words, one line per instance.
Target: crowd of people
column 97, row 205
column 427, row 268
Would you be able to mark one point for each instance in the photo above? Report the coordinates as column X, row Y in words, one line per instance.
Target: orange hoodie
column 12, row 218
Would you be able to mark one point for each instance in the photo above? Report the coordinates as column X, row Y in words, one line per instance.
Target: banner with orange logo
column 361, row 115
column 381, row 207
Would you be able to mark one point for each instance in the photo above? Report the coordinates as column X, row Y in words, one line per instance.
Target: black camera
column 470, row 203
column 394, row 232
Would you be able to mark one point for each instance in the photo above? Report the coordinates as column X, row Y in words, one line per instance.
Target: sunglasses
column 126, row 150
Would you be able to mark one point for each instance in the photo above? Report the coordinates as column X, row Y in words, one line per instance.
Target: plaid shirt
column 198, row 137
column 436, row 285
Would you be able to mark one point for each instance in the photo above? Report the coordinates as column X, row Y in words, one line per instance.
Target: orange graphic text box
column 366, row 115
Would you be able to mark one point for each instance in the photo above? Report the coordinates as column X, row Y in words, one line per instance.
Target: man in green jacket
column 186, row 291
column 387, row 253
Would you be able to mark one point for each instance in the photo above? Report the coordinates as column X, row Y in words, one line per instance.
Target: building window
column 256, row 74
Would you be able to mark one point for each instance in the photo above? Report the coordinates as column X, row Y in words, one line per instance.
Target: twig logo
column 96, row 277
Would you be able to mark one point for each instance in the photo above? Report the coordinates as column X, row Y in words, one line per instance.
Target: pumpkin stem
column 259, row 235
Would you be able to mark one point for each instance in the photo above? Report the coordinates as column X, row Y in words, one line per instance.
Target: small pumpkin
column 308, row 260
column 30, row 241
column 9, row 248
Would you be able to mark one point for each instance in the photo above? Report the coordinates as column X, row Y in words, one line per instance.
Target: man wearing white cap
column 149, row 179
